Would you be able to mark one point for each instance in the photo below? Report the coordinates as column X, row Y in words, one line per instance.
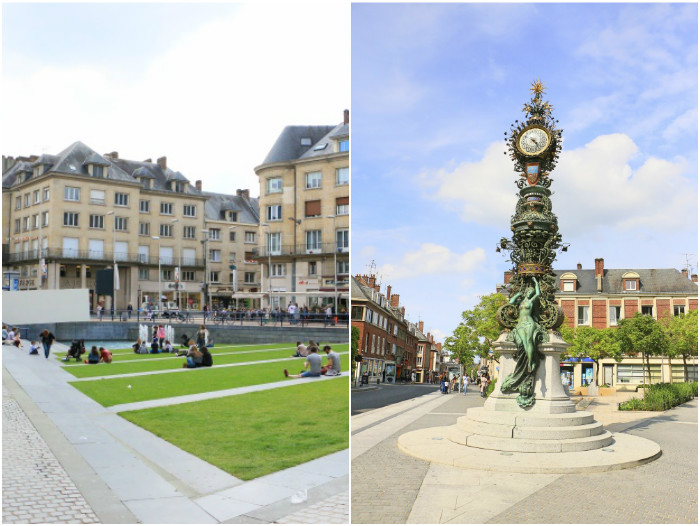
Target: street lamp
column 335, row 267
column 269, row 265
column 179, row 262
column 206, row 258
column 114, row 261
column 157, row 238
column 234, row 272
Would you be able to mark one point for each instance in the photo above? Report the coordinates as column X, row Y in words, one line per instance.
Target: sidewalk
column 128, row 475
column 390, row 487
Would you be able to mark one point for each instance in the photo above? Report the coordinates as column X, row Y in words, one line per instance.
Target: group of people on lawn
column 313, row 361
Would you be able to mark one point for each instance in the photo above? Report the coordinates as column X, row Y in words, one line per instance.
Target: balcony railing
column 61, row 254
column 301, row 249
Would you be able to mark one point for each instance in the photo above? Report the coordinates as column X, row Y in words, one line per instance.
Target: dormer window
column 306, row 141
column 178, row 186
column 344, row 145
column 568, row 282
column 232, row 216
column 630, row 282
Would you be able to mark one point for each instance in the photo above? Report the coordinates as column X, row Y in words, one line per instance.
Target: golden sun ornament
column 537, row 87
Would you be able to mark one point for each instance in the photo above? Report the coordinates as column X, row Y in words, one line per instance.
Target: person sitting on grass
column 94, row 356
column 168, row 347
column 33, row 349
column 313, row 362
column 198, row 358
column 105, row 355
column 302, row 351
column 154, row 346
column 333, row 366
column 77, row 349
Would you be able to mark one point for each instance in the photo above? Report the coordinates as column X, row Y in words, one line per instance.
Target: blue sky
column 211, row 86
column 434, row 88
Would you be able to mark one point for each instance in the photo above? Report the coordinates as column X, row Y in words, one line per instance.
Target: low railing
column 91, row 255
column 299, row 250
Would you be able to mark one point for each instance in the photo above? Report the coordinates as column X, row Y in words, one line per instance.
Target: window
column 250, row 237
column 121, row 199
column 166, row 274
column 189, row 232
column 166, row 230
column 313, row 241
column 97, row 221
column 214, row 276
column 312, row 208
column 231, row 236
column 274, row 243
column 344, row 145
column 215, row 255
column 18, row 225
column 582, row 316
column 313, row 180
column 37, row 197
column 274, row 185
column 189, row 256
column 97, row 197
column 178, row 186
column 189, row 210
column 342, row 206
column 636, row 373
column 215, row 234
column 342, row 240
column 166, row 209
column 232, row 256
column 98, row 170
column 614, row 315
column 144, row 206
column 342, row 176
column 121, row 224
column 35, row 221
column 144, row 252
column 343, row 267
column 69, row 219
column 274, row 213
column 47, row 194
column 249, row 277
column 630, row 284
column 144, row 229
column 278, row 269
column 62, row 271
column 232, row 216
column 71, row 193
column 18, row 202
column 143, row 273
column 647, row 310
column 188, row 275
column 312, row 268
column 27, row 200
column 678, row 310
column 45, row 219
column 570, row 286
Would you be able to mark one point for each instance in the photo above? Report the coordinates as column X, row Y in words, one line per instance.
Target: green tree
column 596, row 344
column 354, row 346
column 477, row 331
column 642, row 334
column 682, row 334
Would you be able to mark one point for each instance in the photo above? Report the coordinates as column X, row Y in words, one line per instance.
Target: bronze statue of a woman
column 526, row 334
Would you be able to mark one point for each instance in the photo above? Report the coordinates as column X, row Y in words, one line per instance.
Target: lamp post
column 269, row 265
column 114, row 261
column 179, row 263
column 335, row 268
column 157, row 238
column 234, row 271
column 206, row 258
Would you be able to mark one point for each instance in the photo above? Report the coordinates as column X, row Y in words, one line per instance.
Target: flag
column 116, row 276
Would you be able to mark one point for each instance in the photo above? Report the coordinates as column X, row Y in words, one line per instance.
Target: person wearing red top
column 105, row 355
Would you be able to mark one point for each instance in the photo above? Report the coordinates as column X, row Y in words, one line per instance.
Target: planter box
column 606, row 391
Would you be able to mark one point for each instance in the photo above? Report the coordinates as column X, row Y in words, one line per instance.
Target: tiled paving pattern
column 334, row 510
column 35, row 488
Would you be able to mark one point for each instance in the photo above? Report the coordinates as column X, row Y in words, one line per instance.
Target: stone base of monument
column 548, row 437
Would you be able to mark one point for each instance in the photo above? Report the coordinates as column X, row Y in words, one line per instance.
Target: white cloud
column 685, row 124
column 595, row 187
column 432, row 260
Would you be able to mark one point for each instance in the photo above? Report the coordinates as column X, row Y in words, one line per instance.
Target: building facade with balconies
column 304, row 237
column 66, row 216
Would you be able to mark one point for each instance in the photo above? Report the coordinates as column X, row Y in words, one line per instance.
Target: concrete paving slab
column 296, row 479
column 260, row 492
column 175, row 510
column 224, row 508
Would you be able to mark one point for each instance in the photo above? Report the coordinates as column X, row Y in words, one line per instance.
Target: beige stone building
column 70, row 215
column 304, row 237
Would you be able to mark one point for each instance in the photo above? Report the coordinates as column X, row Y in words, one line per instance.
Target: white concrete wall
column 45, row 306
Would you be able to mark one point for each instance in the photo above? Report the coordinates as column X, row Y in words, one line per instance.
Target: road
column 387, row 394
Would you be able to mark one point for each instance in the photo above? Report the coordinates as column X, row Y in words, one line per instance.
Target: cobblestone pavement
column 30, row 470
column 334, row 510
column 664, row 491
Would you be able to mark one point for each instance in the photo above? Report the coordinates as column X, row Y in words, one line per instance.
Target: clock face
column 533, row 141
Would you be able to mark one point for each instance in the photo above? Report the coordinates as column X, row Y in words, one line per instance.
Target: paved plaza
column 67, row 459
column 391, row 487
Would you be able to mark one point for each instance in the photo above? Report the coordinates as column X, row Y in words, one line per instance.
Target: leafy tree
column 479, row 328
column 682, row 334
column 354, row 346
column 642, row 334
column 595, row 344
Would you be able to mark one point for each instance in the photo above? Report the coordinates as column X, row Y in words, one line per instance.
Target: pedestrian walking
column 47, row 339
column 466, row 383
column 99, row 311
column 484, row 385
column 129, row 309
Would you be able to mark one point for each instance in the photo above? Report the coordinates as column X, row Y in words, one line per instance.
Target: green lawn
column 257, row 433
column 114, row 391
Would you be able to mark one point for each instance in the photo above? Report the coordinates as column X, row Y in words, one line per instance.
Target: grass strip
column 254, row 434
column 113, row 391
column 175, row 362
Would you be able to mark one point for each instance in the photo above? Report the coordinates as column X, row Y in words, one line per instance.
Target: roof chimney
column 388, row 292
column 685, row 273
column 420, row 326
column 346, row 117
column 371, row 280
column 506, row 276
column 149, row 160
column 394, row 300
column 599, row 272
column 403, row 311
column 198, row 185
column 579, row 266
column 439, row 347
column 113, row 155
column 245, row 194
column 163, row 162
column 694, row 277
